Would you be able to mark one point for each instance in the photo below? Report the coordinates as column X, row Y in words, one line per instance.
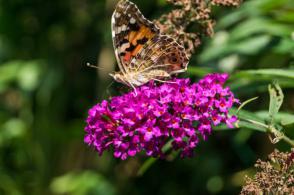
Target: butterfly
column 141, row 51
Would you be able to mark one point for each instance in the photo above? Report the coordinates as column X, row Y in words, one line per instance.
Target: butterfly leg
column 135, row 90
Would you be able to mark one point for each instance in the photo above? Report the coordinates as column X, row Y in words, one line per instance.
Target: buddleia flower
column 179, row 110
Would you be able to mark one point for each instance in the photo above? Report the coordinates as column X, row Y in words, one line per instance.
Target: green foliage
column 269, row 123
column 81, row 183
column 260, row 31
column 25, row 73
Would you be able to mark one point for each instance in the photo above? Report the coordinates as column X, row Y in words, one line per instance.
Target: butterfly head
column 119, row 77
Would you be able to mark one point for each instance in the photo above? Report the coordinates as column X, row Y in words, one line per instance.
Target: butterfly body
column 142, row 53
column 137, row 79
column 130, row 79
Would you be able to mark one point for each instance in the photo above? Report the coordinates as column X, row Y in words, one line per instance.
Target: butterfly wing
column 161, row 53
column 130, row 32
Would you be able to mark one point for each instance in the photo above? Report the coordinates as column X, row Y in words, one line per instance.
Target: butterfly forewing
column 130, row 30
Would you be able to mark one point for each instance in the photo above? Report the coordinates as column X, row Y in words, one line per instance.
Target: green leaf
column 199, row 71
column 244, row 121
column 251, row 46
column 150, row 161
column 257, row 26
column 282, row 117
column 244, row 103
column 81, row 183
column 246, row 124
column 230, row 19
column 272, row 73
column 26, row 73
column 29, row 75
column 246, row 116
column 218, row 46
column 248, row 46
column 276, row 100
column 286, row 45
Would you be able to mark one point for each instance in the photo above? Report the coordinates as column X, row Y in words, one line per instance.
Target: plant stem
column 273, row 130
column 288, row 140
column 281, row 135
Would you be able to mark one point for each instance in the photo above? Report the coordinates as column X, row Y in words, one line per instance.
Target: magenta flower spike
column 180, row 111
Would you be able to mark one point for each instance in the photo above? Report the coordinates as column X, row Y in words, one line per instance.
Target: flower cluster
column 274, row 176
column 176, row 110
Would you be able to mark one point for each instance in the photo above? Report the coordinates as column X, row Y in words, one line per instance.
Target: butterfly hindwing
column 162, row 53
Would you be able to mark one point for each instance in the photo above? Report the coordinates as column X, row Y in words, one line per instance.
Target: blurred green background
column 46, row 89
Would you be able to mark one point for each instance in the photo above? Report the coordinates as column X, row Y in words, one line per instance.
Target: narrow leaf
column 249, row 125
column 282, row 117
column 244, row 103
column 150, row 161
column 276, row 100
column 283, row 73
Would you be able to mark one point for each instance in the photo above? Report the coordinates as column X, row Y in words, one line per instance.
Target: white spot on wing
column 118, row 30
column 132, row 20
column 117, row 14
column 124, row 27
column 124, row 46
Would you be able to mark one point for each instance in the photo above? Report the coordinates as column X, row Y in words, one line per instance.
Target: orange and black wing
column 130, row 32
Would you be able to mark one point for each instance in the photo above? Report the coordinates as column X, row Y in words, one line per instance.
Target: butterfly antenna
column 94, row 66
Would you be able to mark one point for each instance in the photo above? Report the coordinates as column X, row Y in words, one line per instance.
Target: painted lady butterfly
column 142, row 53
